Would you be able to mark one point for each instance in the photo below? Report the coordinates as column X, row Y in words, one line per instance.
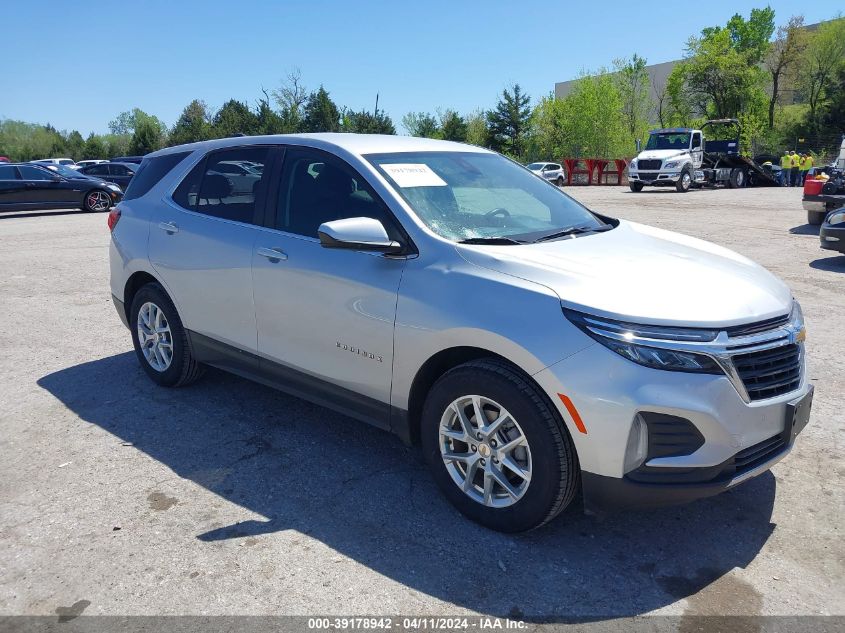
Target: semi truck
column 683, row 158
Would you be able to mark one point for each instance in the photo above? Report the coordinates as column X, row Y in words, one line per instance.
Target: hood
column 640, row 273
column 662, row 154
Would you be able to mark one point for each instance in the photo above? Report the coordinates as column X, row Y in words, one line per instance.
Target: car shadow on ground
column 832, row 264
column 806, row 229
column 364, row 494
column 8, row 215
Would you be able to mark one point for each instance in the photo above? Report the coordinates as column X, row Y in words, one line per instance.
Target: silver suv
column 532, row 347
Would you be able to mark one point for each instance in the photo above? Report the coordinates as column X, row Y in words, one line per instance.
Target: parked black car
column 127, row 159
column 26, row 186
column 832, row 232
column 118, row 173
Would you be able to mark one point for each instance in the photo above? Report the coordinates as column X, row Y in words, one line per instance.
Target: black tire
column 685, row 181
column 738, row 178
column 183, row 368
column 555, row 471
column 87, row 201
column 636, row 187
column 816, row 217
column 560, row 181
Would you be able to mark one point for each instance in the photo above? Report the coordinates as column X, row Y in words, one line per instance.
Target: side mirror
column 357, row 234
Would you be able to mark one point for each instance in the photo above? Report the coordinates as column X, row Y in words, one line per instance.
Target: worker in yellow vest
column 805, row 165
column 796, row 168
column 785, row 166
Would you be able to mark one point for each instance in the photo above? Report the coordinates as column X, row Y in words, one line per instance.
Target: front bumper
column 740, row 439
column 832, row 237
column 655, row 178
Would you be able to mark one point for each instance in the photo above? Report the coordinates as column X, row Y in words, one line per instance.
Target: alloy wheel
column 154, row 337
column 98, row 201
column 485, row 451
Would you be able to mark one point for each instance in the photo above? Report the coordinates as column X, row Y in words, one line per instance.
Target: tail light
column 114, row 216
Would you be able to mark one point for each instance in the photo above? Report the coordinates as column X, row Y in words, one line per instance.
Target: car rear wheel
column 560, row 181
column 160, row 341
column 96, row 200
column 497, row 448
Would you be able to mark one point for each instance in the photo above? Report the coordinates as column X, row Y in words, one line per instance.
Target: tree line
column 785, row 84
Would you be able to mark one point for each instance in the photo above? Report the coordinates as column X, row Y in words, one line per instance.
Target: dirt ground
column 118, row 497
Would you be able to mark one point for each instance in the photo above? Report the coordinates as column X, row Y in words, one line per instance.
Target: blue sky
column 76, row 64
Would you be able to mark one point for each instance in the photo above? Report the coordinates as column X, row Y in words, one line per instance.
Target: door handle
column 169, row 227
column 273, row 254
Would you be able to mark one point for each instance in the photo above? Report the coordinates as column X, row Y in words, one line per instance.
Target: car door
column 119, row 175
column 697, row 150
column 12, row 188
column 201, row 244
column 325, row 316
column 47, row 188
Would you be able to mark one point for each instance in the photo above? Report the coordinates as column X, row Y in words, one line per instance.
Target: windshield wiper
column 490, row 240
column 574, row 230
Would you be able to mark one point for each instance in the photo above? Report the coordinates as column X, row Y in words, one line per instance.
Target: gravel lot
column 118, row 497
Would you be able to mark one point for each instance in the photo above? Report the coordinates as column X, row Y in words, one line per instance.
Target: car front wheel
column 497, row 448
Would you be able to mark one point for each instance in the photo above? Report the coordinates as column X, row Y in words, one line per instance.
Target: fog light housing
column 636, row 449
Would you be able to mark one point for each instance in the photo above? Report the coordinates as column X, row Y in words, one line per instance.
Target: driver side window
column 318, row 188
column 696, row 141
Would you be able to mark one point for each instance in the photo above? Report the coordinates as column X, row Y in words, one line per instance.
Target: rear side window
column 150, row 172
column 227, row 184
column 7, row 172
column 97, row 170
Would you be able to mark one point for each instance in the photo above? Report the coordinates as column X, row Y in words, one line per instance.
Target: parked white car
column 67, row 162
column 552, row 172
column 532, row 347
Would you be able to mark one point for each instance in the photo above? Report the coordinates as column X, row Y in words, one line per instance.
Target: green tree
column 784, row 55
column 421, row 124
column 748, row 37
column 93, row 147
column 269, row 121
column 364, row 122
column 194, row 124
column 146, row 137
column 508, row 121
column 632, row 82
column 547, row 140
column 126, row 122
column 74, row 144
column 320, row 114
column 477, row 131
column 590, row 119
column 824, row 57
column 291, row 97
column 453, row 127
column 234, row 118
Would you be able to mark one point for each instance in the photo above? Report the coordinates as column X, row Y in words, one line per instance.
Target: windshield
column 668, row 141
column 468, row 195
column 67, row 172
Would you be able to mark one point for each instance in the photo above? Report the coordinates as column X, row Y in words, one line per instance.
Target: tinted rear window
column 150, row 172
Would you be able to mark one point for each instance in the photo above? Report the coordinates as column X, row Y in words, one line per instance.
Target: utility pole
column 376, row 112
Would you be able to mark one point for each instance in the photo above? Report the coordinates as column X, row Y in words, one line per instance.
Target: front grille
column 753, row 456
column 770, row 372
column 649, row 164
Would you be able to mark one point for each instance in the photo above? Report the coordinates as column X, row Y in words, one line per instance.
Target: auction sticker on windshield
column 413, row 175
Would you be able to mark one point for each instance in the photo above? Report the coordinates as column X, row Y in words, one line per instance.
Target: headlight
column 114, row 187
column 796, row 321
column 836, row 218
column 633, row 164
column 619, row 336
column 671, row 164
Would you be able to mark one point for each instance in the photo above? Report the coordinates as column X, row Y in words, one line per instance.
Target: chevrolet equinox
column 532, row 347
